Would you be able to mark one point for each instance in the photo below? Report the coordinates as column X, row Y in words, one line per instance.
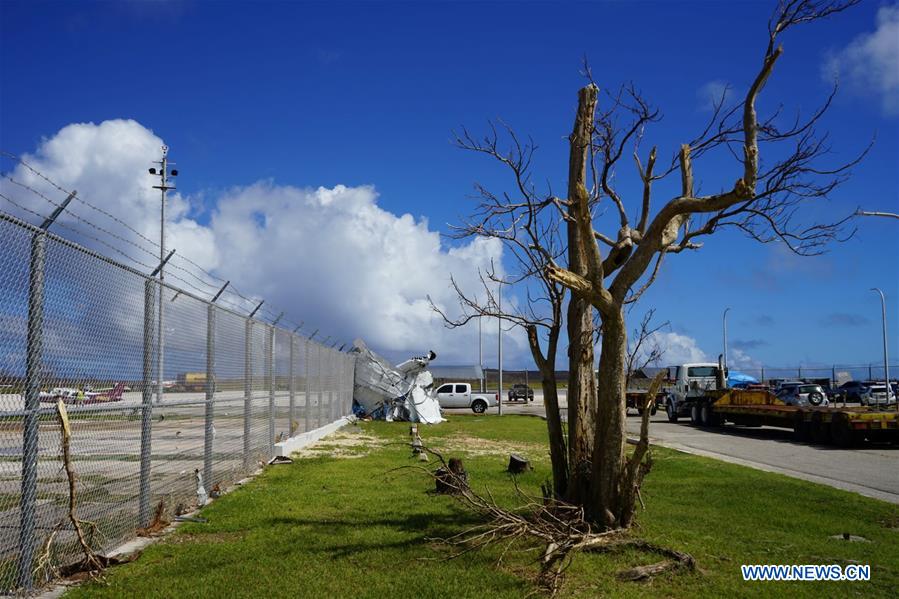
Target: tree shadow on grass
column 424, row 526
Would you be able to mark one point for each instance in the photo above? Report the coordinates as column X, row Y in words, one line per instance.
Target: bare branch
column 886, row 214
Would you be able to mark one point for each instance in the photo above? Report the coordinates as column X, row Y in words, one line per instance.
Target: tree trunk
column 607, row 502
column 558, row 451
column 557, row 447
column 581, row 379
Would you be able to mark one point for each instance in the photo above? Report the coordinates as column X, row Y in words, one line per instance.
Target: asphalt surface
column 871, row 470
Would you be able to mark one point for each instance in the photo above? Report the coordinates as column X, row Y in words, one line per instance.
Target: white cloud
column 870, row 63
column 712, row 94
column 330, row 257
column 683, row 349
column 676, row 348
column 737, row 359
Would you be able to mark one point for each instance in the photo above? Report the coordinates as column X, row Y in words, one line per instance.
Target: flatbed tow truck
column 843, row 426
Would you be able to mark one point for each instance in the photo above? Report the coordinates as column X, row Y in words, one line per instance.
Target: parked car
column 876, row 394
column 803, row 395
column 521, row 391
column 833, row 394
column 852, row 390
column 459, row 395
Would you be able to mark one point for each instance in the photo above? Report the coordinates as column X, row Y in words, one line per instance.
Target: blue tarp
column 735, row 378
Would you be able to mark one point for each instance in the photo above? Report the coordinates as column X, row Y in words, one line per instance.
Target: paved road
column 872, row 470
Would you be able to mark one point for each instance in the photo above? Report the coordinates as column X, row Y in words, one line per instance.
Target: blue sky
column 353, row 94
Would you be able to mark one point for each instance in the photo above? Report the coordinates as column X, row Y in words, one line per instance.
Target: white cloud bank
column 870, row 63
column 330, row 257
column 683, row 349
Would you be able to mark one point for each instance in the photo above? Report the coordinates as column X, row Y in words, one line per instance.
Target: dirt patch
column 344, row 444
column 212, row 537
column 475, row 446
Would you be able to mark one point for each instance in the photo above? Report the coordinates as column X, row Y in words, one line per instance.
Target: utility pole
column 886, row 363
column 726, row 310
column 163, row 187
column 499, row 320
column 481, row 353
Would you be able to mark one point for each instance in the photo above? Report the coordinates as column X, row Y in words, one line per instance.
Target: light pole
column 481, row 353
column 163, row 187
column 499, row 321
column 726, row 310
column 886, row 363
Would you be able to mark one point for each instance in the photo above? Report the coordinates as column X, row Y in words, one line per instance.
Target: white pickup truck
column 459, row 395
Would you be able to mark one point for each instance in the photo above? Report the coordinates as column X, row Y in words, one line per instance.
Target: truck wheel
column 801, row 430
column 478, row 406
column 695, row 416
column 841, row 432
column 671, row 411
column 820, row 430
column 708, row 417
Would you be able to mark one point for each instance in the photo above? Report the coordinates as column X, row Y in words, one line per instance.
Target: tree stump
column 518, row 464
column 451, row 479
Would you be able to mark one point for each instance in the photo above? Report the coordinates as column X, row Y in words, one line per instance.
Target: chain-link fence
column 835, row 374
column 83, row 328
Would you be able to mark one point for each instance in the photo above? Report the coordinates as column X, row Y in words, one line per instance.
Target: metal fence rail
column 835, row 373
column 72, row 318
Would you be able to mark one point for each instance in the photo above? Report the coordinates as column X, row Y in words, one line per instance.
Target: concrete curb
column 298, row 442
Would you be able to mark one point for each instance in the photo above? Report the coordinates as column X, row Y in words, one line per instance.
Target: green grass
column 324, row 527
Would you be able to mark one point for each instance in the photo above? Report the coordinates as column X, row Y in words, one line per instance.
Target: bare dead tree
column 610, row 271
column 605, row 272
column 521, row 223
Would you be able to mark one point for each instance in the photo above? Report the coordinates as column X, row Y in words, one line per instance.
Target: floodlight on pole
column 163, row 187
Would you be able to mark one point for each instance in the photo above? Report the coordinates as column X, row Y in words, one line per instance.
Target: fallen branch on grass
column 560, row 528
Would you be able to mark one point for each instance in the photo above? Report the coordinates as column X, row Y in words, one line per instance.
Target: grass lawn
column 344, row 525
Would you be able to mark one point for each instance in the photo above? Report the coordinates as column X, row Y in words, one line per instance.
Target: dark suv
column 522, row 392
column 853, row 390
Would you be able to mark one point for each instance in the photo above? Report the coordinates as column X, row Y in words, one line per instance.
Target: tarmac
column 871, row 470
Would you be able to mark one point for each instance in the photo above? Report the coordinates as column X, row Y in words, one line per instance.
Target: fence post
column 270, row 374
column 342, row 385
column 247, row 391
column 33, row 355
column 348, row 373
column 307, row 392
column 329, row 360
column 210, row 394
column 34, row 351
column 146, row 418
column 321, row 389
column 293, row 387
